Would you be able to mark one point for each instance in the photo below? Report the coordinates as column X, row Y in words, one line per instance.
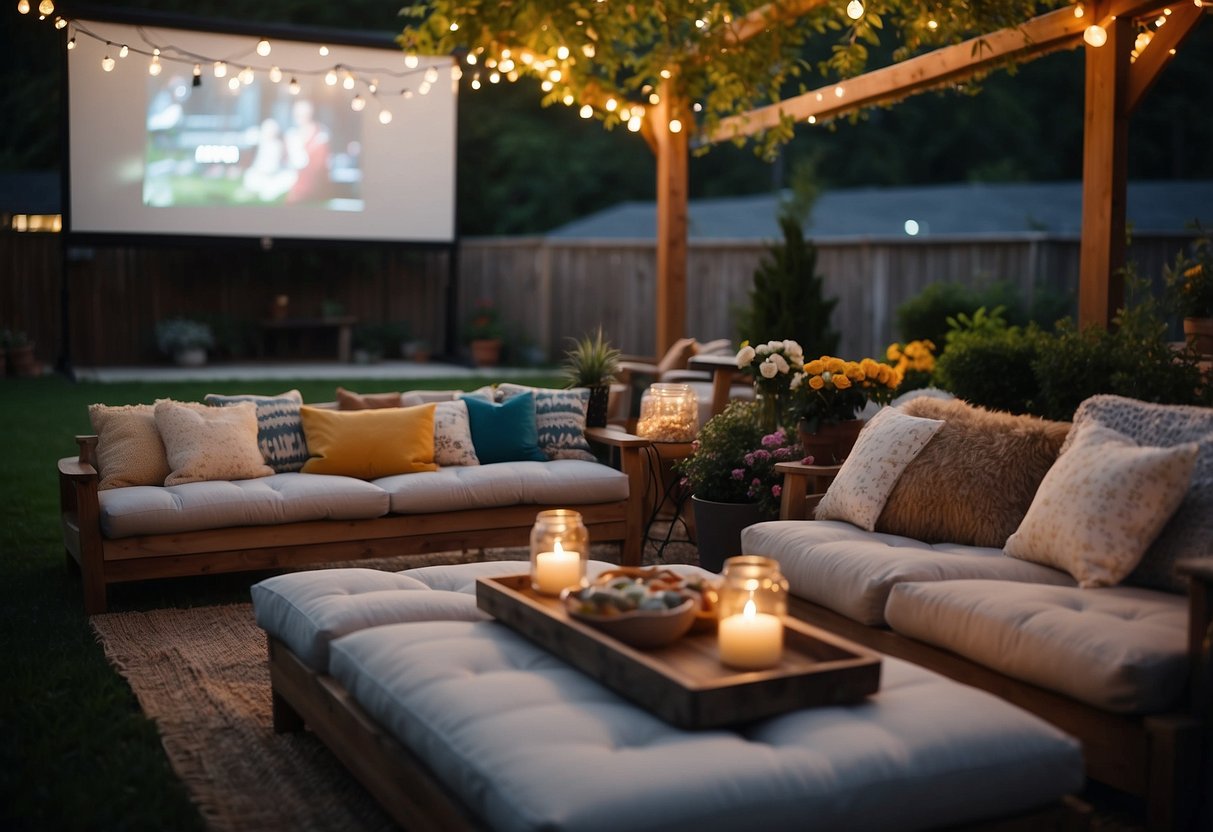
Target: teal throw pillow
column 279, row 428
column 504, row 432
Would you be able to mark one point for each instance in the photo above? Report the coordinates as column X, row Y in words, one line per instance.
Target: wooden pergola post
column 673, row 154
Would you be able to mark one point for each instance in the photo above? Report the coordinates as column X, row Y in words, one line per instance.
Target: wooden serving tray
column 685, row 684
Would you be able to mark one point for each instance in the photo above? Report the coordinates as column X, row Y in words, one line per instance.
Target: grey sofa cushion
column 851, row 571
column 528, row 743
column 1121, row 649
column 561, row 481
column 281, row 498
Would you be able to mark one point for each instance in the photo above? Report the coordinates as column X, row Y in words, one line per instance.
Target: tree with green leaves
column 788, row 298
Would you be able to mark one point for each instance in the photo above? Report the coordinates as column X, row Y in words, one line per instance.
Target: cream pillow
column 210, row 443
column 886, row 445
column 129, row 450
column 453, row 435
column 1101, row 505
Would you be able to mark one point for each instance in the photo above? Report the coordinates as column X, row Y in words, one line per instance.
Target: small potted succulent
column 185, row 341
column 592, row 363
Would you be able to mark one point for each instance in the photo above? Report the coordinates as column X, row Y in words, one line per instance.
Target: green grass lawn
column 75, row 750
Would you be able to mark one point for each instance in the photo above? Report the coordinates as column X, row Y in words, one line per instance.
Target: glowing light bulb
column 385, row 116
column 324, row 51
column 697, row 107
column 293, row 87
column 555, row 75
column 547, row 86
column 476, row 81
column 471, row 59
column 1095, row 35
column 330, row 77
column 1079, row 10
column 424, row 88
column 1142, row 41
column 454, row 27
column 263, row 47
column 233, row 83
column 60, row 23
column 431, row 74
column 197, row 73
column 71, row 44
column 220, row 69
column 107, row 63
column 588, row 50
column 586, row 111
column 855, row 9
column 23, row 6
column 675, row 126
column 611, row 104
column 932, row 24
column 625, row 114
column 124, row 51
column 507, row 65
column 358, row 104
column 456, row 73
column 373, row 86
column 45, row 7
column 634, row 124
column 568, row 99
column 665, row 73
column 562, row 53
column 506, row 54
column 410, row 60
column 839, row 92
column 699, row 24
column 812, row 119
column 246, row 75
column 275, row 75
column 495, row 78
column 527, row 58
column 347, row 82
column 654, row 99
column 154, row 67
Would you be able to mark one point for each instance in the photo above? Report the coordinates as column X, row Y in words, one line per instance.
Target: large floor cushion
column 527, row 742
column 561, row 481
column 281, row 498
column 1121, row 649
column 851, row 571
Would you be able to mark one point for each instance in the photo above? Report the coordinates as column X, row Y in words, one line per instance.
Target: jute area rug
column 200, row 674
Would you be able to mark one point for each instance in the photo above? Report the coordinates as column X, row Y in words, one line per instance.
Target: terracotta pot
column 22, row 363
column 830, row 444
column 486, row 352
column 718, row 529
column 1199, row 333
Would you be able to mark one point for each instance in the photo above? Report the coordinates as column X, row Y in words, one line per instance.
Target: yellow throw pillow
column 129, row 450
column 369, row 443
column 210, row 443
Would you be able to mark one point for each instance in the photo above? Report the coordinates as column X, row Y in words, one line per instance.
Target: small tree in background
column 787, row 299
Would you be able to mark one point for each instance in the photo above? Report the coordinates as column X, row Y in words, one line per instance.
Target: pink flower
column 776, row 490
column 739, row 474
column 808, row 460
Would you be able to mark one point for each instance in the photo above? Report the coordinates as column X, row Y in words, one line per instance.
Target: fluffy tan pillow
column 975, row 480
column 887, row 444
column 129, row 450
column 210, row 443
column 1102, row 505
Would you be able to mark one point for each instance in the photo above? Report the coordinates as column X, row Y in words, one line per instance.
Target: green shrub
column 990, row 365
column 925, row 316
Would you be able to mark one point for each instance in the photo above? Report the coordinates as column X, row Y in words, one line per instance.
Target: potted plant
column 417, row 350
column 592, row 363
column 827, row 397
column 21, row 361
column 1191, row 280
column 371, row 342
column 185, row 341
column 772, row 365
column 483, row 333
column 732, row 479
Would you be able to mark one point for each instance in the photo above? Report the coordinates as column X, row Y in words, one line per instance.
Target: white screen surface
column 159, row 155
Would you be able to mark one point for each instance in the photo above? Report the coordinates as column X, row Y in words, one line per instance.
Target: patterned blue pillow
column 279, row 427
column 559, row 418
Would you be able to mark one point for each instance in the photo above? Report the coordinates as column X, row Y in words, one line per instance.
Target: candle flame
column 750, row 610
column 558, row 549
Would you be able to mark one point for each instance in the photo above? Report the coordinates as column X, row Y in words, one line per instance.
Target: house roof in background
column 30, row 193
column 940, row 211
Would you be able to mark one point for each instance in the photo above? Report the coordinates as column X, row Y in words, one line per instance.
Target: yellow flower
column 841, row 381
column 816, row 382
column 835, row 365
column 885, row 374
column 815, row 367
column 854, row 371
column 893, row 353
column 870, row 367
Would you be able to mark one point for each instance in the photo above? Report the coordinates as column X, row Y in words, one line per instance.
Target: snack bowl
column 638, row 628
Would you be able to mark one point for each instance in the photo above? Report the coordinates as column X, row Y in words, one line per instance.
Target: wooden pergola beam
column 1182, row 21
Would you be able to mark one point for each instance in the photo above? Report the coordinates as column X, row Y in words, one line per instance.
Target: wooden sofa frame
column 104, row 561
column 1165, row 759
column 406, row 788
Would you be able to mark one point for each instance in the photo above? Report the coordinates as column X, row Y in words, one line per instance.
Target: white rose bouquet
column 772, row 365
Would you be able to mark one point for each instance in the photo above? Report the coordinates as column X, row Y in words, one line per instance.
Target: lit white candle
column 556, row 570
column 752, row 640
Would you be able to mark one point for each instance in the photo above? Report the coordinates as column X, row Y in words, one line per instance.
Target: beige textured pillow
column 974, row 481
column 887, row 444
column 453, row 435
column 210, row 443
column 129, row 450
column 1102, row 504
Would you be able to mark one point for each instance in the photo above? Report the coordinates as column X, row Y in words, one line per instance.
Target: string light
column 1079, row 10
column 588, row 50
column 431, row 74
column 233, row 83
column 855, row 9
column 348, row 81
column 358, row 104
column 456, row 73
column 124, row 51
column 812, row 119
column 246, row 75
column 220, row 69
column 547, row 86
column 373, row 86
column 932, row 24
column 324, row 51
column 263, row 48
column 611, row 105
column 423, row 88
column 293, row 87
column 153, row 68
column 454, row 27
column 586, row 111
column 562, row 53
column 476, row 81
column 568, row 99
column 60, row 23
column 275, row 75
column 107, row 63
column 385, row 116
column 71, row 43
column 1095, row 35
column 46, row 7
column 675, row 126
column 197, row 75
column 634, row 124
column 410, row 60
column 839, row 92
column 23, row 6
column 471, row 59
column 494, row 77
column 330, row 77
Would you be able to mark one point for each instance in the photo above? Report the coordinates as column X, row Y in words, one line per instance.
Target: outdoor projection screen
column 164, row 155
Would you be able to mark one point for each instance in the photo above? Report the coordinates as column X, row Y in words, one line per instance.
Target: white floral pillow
column 1102, row 504
column 886, row 445
column 453, row 435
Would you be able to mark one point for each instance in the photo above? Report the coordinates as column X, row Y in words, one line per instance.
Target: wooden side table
column 273, row 328
column 803, row 488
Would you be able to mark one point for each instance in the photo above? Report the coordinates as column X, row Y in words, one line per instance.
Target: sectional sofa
column 1064, row 567
column 177, row 489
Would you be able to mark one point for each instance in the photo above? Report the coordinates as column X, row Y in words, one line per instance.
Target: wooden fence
column 546, row 290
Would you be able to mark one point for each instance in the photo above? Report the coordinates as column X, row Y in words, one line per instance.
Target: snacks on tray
column 644, row 607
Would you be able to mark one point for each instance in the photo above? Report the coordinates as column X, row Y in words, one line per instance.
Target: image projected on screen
column 258, row 144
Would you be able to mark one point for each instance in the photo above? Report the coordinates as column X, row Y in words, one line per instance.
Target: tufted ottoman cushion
column 851, row 571
column 1121, row 649
column 527, row 742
